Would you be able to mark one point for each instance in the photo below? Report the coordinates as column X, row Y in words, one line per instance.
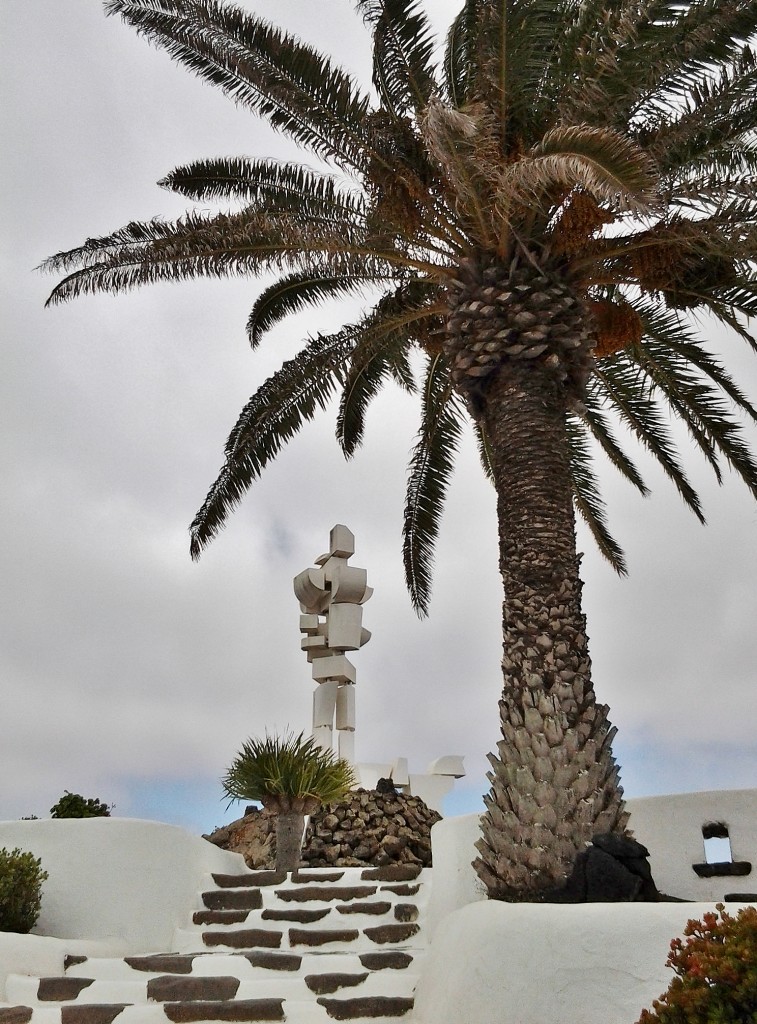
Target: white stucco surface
column 671, row 829
column 506, row 963
column 42, row 956
column 669, row 826
column 455, row 882
column 121, row 880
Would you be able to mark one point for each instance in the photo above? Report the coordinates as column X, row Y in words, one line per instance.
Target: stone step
column 262, row 964
column 372, row 1011
column 264, row 878
column 314, row 981
column 350, row 915
column 357, row 1008
column 251, row 878
column 203, row 917
column 233, row 899
column 298, row 939
column 325, row 893
column 310, row 947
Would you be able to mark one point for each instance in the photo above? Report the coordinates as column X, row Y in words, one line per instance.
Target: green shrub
column 716, row 973
column 72, row 805
column 21, row 878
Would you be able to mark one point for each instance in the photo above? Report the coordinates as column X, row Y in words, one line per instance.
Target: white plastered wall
column 127, row 882
column 671, row 829
column 503, row 963
column 669, row 826
column 526, row 963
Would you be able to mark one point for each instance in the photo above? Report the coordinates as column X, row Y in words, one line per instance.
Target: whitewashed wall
column 669, row 826
column 121, row 880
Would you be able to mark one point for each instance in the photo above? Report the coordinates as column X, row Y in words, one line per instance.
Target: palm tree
column 292, row 777
column 540, row 216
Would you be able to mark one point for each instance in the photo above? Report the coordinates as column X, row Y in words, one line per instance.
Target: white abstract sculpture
column 331, row 597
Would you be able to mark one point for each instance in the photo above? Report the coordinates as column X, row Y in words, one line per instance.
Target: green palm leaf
column 297, row 89
column 271, row 418
column 587, row 496
column 430, row 469
column 403, row 45
column 293, row 293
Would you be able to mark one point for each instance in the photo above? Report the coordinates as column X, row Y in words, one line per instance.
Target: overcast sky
column 130, row 673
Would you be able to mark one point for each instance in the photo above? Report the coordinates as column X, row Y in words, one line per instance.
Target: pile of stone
column 253, row 836
column 371, row 828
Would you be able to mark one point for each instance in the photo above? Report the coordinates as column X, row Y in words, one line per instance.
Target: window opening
column 717, row 843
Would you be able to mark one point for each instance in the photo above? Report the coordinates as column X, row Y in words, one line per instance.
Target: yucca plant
column 546, row 215
column 291, row 776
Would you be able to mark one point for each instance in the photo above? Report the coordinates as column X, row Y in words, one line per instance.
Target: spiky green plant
column 291, row 776
column 544, row 214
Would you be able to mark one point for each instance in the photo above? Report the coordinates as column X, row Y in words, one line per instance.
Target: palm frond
column 626, row 388
column 710, row 114
column 587, row 497
column 272, row 417
column 459, row 54
column 293, row 293
column 224, row 245
column 679, row 51
column 429, row 472
column 403, row 45
column 608, row 166
column 515, row 63
column 297, row 89
column 385, row 337
column 458, row 140
column 598, row 423
column 265, row 185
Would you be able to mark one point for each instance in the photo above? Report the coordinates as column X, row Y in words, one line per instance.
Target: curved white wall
column 525, row 963
column 671, row 829
column 122, row 880
column 669, row 826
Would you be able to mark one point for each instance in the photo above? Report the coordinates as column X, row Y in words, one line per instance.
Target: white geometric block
column 324, row 702
column 347, row 746
column 310, row 590
column 309, row 624
column 345, row 707
column 323, row 737
column 341, row 541
column 432, row 789
column 334, row 666
column 369, row 772
column 348, row 584
column 345, row 627
column 398, row 773
column 310, row 643
column 451, row 764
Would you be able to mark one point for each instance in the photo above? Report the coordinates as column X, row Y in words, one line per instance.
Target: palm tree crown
column 541, row 212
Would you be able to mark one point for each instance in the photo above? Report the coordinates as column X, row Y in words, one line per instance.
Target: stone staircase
column 312, row 947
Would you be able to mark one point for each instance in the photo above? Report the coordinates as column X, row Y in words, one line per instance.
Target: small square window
column 718, row 856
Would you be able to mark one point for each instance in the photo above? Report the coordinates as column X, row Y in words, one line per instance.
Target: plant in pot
column 292, row 777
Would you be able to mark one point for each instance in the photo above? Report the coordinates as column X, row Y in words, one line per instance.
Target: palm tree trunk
column 555, row 782
column 290, row 826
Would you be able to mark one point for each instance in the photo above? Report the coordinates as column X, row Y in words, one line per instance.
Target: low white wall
column 671, row 829
column 128, row 882
column 520, row 963
column 455, row 883
column 669, row 826
column 42, row 956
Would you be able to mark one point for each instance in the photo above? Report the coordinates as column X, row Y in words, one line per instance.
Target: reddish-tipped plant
column 716, row 973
